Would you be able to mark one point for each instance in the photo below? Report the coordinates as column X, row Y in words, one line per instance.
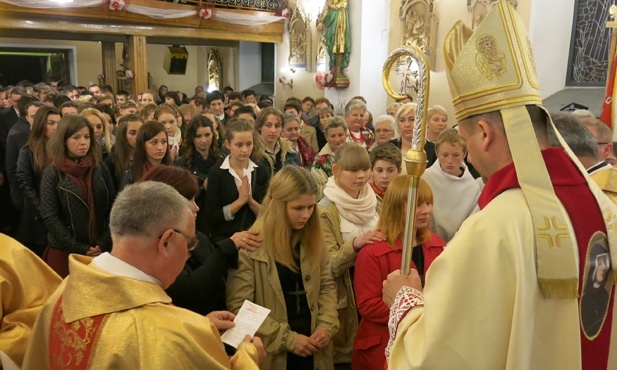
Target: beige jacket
column 342, row 258
column 309, row 134
column 257, row 280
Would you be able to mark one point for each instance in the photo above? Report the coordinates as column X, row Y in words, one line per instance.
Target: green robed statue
column 335, row 20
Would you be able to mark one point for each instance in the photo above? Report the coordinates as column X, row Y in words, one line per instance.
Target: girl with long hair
column 278, row 152
column 32, row 160
column 77, row 193
column 151, row 150
column 376, row 261
column 200, row 154
column 218, row 127
column 290, row 274
column 349, row 219
column 188, row 113
column 101, row 129
column 123, row 150
column 109, row 112
column 171, row 120
column 237, row 186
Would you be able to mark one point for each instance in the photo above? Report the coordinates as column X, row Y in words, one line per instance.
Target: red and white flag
column 608, row 108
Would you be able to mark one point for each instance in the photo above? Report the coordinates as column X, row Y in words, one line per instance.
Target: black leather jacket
column 66, row 213
column 31, row 228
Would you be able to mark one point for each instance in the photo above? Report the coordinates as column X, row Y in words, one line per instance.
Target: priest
column 512, row 285
column 112, row 311
column 26, row 282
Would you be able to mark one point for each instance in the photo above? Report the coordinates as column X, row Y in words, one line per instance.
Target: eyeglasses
column 191, row 242
column 382, row 131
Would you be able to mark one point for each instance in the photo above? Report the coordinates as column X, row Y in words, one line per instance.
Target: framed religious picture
column 215, row 70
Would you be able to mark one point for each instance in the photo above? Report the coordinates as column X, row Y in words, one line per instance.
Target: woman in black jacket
column 199, row 156
column 123, row 150
column 151, row 150
column 200, row 287
column 33, row 158
column 77, row 193
column 236, row 187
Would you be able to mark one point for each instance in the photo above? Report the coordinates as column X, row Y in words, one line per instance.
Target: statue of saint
column 335, row 20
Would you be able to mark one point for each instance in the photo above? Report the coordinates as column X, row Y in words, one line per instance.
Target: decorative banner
column 283, row 13
column 117, row 5
column 221, row 15
column 608, row 108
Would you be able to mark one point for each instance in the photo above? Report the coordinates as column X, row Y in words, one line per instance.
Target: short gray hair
column 146, row 208
column 355, row 104
column 588, row 119
column 334, row 122
column 291, row 117
column 575, row 134
column 386, row 118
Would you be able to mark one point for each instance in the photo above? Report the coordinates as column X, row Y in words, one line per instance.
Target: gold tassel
column 559, row 288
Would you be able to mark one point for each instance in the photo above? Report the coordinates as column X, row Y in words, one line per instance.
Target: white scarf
column 358, row 211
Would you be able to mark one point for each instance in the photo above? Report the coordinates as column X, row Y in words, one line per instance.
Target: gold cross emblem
column 552, row 232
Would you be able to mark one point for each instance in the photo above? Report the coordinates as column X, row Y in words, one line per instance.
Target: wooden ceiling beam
column 154, row 40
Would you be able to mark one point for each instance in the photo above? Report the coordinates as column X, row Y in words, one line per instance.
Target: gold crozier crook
column 415, row 160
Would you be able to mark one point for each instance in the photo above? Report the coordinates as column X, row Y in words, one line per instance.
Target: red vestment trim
column 578, row 200
column 71, row 345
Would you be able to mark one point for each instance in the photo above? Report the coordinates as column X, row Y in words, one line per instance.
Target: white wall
column 249, row 73
column 303, row 80
column 550, row 41
column 370, row 23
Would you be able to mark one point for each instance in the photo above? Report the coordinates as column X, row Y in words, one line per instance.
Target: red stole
column 71, row 345
column 573, row 192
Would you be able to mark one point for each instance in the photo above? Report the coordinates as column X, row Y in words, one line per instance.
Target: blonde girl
column 349, row 220
column 291, row 261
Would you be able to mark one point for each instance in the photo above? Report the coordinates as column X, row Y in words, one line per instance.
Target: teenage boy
column 455, row 191
column 386, row 162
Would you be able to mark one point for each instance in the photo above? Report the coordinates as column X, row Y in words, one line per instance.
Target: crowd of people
column 165, row 214
column 247, row 168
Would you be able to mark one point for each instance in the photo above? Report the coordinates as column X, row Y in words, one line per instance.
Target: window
column 589, row 44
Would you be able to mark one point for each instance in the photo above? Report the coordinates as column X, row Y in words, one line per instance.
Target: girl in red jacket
column 376, row 261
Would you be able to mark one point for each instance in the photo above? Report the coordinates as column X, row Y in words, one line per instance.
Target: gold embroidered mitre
column 493, row 67
column 490, row 70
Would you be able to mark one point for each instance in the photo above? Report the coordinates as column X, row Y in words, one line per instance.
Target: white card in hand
column 248, row 320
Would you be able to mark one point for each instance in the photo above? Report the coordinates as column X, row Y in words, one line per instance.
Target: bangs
column 425, row 194
column 352, row 157
column 405, row 109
